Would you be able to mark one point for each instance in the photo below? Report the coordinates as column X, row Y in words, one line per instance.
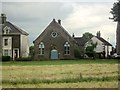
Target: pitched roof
column 104, row 41
column 80, row 40
column 14, row 29
column 55, row 24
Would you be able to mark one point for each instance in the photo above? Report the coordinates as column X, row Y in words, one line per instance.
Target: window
column 6, row 53
column 7, row 30
column 41, row 48
column 5, row 42
column 67, row 48
column 54, row 34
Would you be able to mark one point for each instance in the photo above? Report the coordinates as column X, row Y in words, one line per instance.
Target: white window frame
column 6, row 43
column 41, row 48
column 6, row 52
column 54, row 34
column 67, row 48
column 6, row 30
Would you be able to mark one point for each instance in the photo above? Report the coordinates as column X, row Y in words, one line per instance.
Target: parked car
column 116, row 56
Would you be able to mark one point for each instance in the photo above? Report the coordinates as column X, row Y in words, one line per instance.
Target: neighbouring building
column 103, row 48
column 14, row 40
column 54, row 43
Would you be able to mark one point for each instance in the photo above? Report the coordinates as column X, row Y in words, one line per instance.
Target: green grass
column 60, row 62
column 64, row 80
column 60, row 74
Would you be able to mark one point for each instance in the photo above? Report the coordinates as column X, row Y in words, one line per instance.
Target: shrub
column 5, row 58
column 24, row 59
column 78, row 54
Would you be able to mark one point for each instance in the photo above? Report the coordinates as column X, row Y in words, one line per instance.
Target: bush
column 24, row 59
column 5, row 58
column 78, row 54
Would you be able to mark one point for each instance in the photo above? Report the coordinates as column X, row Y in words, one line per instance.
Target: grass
column 105, row 84
column 60, row 62
column 64, row 80
column 60, row 74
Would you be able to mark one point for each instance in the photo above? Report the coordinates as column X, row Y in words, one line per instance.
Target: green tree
column 115, row 11
column 87, row 36
column 78, row 53
column 90, row 49
column 31, row 48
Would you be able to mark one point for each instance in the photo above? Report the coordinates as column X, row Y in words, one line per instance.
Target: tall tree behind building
column 116, row 17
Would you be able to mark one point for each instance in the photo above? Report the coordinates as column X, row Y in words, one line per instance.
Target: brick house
column 14, row 40
column 54, row 43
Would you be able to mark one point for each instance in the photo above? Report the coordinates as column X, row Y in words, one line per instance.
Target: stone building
column 14, row 40
column 54, row 43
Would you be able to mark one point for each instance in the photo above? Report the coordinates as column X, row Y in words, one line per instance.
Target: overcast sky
column 77, row 17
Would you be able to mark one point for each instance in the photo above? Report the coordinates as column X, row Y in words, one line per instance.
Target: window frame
column 6, row 52
column 41, row 48
column 5, row 42
column 67, row 48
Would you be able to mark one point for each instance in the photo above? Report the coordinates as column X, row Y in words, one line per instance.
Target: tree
column 31, row 48
column 90, row 49
column 115, row 11
column 87, row 36
column 78, row 53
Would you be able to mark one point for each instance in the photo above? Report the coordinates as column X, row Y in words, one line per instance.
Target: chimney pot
column 59, row 21
column 98, row 34
column 3, row 18
column 73, row 35
column 53, row 19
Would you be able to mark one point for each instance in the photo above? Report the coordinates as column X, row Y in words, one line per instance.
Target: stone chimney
column 3, row 18
column 59, row 21
column 98, row 34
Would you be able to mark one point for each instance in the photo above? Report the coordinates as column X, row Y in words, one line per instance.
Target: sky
column 77, row 17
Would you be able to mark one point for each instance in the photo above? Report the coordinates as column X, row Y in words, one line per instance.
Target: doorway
column 54, row 54
column 15, row 53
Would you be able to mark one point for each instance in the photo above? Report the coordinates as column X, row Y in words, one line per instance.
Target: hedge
column 24, row 59
column 6, row 58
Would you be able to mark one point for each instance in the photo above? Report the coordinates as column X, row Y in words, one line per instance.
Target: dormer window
column 6, row 30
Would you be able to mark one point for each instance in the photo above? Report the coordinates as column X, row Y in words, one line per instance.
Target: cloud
column 34, row 17
column 91, row 17
column 77, row 17
column 58, row 0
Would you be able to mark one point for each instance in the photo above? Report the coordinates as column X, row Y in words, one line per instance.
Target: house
column 103, row 48
column 54, row 43
column 14, row 40
column 81, row 42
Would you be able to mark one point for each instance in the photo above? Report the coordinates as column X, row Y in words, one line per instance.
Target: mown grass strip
column 60, row 62
column 65, row 80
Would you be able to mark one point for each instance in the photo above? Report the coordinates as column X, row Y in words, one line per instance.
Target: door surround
column 15, row 53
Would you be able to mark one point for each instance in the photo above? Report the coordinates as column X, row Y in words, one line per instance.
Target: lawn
column 60, row 74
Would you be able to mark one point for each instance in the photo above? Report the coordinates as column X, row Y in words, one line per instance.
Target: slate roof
column 55, row 24
column 104, row 41
column 80, row 40
column 14, row 29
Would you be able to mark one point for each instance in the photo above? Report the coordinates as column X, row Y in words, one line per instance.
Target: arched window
column 67, row 48
column 41, row 48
